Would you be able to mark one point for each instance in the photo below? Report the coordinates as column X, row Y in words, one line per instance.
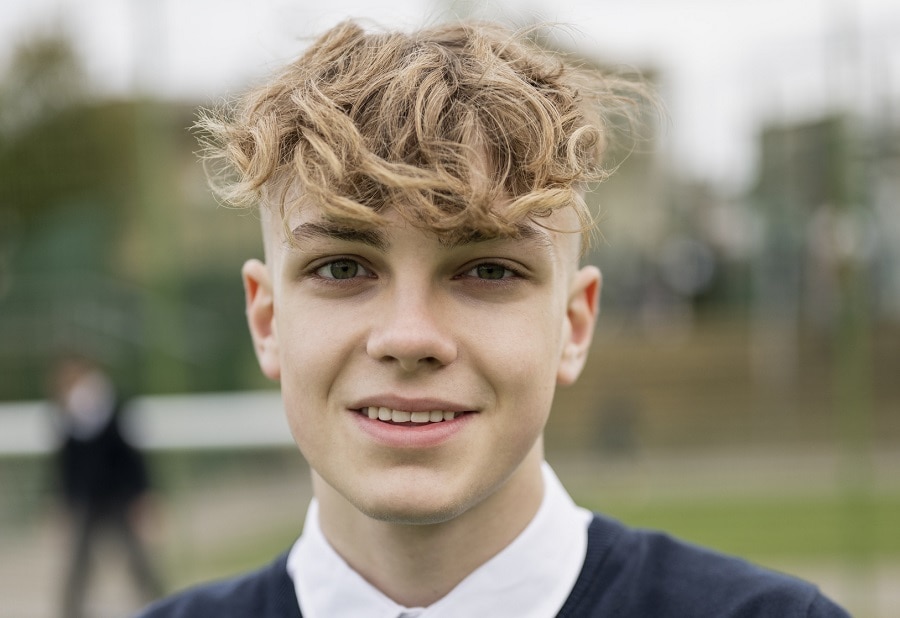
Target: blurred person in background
column 102, row 477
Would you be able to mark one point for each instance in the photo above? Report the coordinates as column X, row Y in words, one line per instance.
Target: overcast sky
column 725, row 65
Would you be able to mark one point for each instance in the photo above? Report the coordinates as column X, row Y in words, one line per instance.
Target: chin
column 414, row 508
column 414, row 514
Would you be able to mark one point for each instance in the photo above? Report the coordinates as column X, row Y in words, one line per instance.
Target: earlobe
column 260, row 307
column 581, row 315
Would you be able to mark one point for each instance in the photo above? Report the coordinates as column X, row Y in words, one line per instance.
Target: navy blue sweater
column 627, row 573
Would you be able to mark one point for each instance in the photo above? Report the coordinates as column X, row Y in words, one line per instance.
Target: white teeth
column 402, row 416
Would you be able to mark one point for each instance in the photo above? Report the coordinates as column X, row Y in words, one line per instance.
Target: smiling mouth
column 390, row 415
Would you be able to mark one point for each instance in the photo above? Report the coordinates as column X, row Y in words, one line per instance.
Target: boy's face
column 396, row 325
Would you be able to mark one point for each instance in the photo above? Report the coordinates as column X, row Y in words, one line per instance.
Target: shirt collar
column 531, row 577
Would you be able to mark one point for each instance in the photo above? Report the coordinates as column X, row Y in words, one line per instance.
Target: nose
column 412, row 332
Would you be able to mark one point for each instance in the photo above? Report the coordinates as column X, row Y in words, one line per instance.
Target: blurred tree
column 53, row 149
column 45, row 76
column 103, row 214
column 83, row 153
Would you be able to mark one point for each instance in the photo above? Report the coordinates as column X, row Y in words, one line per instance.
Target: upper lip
column 409, row 404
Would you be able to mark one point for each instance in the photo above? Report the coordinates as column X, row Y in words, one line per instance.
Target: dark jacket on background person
column 102, row 471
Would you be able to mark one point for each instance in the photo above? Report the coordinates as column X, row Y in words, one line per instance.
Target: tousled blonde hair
column 461, row 128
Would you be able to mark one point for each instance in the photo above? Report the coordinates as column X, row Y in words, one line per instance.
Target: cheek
column 311, row 335
column 528, row 346
column 311, row 354
column 522, row 360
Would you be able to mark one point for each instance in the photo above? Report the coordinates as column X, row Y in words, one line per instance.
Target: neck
column 415, row 565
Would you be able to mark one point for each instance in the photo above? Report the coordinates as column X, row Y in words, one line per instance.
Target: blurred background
column 744, row 387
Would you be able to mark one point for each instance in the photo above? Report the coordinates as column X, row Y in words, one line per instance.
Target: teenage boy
column 419, row 301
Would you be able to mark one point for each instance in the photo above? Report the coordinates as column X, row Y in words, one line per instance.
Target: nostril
column 412, row 350
column 409, row 364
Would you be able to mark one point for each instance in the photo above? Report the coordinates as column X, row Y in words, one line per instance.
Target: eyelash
column 366, row 272
column 509, row 273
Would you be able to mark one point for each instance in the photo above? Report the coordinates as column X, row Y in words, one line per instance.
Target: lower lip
column 409, row 436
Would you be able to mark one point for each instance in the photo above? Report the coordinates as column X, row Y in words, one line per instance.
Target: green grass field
column 766, row 529
column 225, row 516
column 818, row 537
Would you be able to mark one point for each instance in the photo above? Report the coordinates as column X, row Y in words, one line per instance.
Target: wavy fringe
column 458, row 128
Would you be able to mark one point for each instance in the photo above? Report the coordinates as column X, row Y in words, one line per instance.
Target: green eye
column 490, row 271
column 341, row 269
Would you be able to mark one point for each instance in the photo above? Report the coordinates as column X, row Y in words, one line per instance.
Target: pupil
column 344, row 269
column 490, row 271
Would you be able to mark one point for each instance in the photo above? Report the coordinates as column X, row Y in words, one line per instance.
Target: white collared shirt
column 531, row 578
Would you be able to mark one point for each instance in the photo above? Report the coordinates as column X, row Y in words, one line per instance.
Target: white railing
column 196, row 421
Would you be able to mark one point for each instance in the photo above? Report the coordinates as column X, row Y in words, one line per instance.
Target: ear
column 581, row 315
column 261, row 317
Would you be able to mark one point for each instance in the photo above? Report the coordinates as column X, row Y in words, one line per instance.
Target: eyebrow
column 376, row 238
column 329, row 231
column 523, row 231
